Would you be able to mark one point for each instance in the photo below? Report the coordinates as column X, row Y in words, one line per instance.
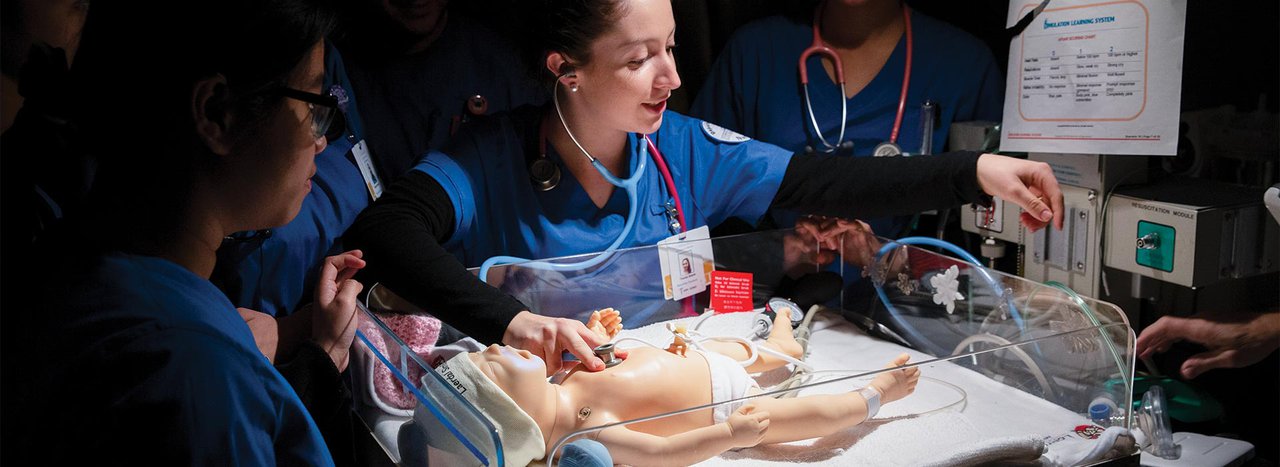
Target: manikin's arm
column 745, row 428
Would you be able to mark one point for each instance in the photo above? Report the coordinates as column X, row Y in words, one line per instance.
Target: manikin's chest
column 649, row 382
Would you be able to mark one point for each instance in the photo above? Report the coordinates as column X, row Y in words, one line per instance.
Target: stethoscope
column 546, row 177
column 887, row 148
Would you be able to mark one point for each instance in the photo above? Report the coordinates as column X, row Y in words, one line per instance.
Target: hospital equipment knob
column 1149, row 241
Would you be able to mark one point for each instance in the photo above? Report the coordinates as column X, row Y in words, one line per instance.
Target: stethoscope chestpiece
column 544, row 174
column 477, row 105
column 887, row 149
column 605, row 352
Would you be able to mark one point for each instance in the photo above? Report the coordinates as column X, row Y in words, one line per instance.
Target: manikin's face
column 276, row 159
column 520, row 374
column 632, row 70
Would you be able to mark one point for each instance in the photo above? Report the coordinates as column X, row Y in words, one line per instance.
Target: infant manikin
column 510, row 386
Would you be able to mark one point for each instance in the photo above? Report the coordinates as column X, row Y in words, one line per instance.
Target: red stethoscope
column 887, row 148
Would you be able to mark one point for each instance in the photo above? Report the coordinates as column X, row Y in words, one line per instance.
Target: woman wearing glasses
column 147, row 361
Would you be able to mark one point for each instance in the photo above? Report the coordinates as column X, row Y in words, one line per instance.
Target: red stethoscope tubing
column 820, row 48
column 661, row 162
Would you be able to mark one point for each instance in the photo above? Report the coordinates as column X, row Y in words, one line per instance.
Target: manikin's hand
column 606, row 322
column 1030, row 185
column 265, row 334
column 547, row 337
column 334, row 325
column 1233, row 340
column 747, row 426
column 896, row 384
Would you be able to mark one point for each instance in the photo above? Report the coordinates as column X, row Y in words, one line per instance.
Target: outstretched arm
column 745, row 428
column 861, row 187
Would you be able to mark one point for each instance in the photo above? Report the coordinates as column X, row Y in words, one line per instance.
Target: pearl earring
column 573, row 87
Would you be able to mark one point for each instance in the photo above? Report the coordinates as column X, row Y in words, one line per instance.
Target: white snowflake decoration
column 946, row 288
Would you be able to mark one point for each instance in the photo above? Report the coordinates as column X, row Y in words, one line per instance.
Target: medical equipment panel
column 1070, row 255
column 1191, row 232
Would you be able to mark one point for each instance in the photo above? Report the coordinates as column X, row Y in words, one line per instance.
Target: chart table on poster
column 1100, row 77
column 1067, row 76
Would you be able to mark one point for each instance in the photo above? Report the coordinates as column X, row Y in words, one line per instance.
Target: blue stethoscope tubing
column 630, row 185
column 986, row 277
column 819, row 47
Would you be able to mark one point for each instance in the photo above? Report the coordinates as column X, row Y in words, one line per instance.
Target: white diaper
column 729, row 380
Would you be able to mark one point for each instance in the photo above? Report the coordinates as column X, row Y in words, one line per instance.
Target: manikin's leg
column 780, row 339
column 820, row 415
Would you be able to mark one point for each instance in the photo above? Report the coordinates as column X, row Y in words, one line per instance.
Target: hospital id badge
column 365, row 163
column 686, row 261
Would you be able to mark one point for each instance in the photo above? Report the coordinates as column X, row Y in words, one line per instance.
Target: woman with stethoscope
column 607, row 166
column 850, row 77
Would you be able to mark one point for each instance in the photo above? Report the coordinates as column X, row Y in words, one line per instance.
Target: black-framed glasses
column 324, row 112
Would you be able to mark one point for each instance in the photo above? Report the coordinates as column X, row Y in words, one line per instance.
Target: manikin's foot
column 894, row 385
column 781, row 337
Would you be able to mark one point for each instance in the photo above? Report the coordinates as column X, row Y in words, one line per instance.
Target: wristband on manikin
column 872, row 395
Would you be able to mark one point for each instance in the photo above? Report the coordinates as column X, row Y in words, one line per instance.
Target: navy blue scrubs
column 754, row 88
column 147, row 363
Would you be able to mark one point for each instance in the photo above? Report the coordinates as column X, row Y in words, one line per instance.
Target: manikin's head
column 510, row 387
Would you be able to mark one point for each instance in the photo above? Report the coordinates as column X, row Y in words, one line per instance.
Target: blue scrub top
column 754, row 87
column 499, row 212
column 148, row 363
column 277, row 271
column 412, row 102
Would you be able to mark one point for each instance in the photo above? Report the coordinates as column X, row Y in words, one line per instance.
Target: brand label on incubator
column 447, row 372
column 722, row 134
